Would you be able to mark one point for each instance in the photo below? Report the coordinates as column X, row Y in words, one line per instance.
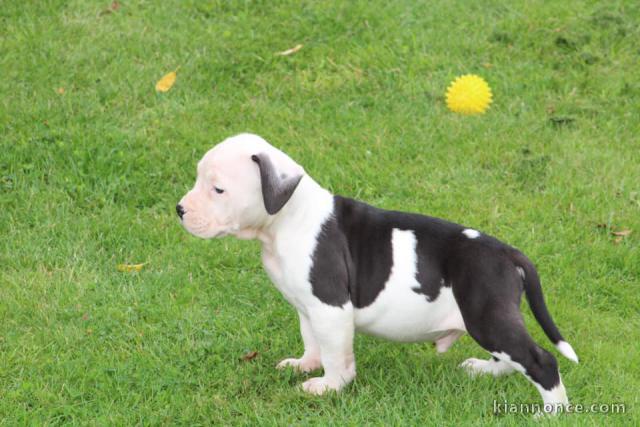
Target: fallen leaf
column 290, row 51
column 166, row 82
column 561, row 121
column 60, row 90
column 113, row 7
column 621, row 233
column 250, row 356
column 617, row 240
column 128, row 268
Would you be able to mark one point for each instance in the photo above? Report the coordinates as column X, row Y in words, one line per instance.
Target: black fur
column 329, row 274
column 354, row 257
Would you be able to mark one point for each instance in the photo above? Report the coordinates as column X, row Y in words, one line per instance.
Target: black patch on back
column 368, row 233
column 368, row 239
column 329, row 275
column 429, row 273
column 353, row 258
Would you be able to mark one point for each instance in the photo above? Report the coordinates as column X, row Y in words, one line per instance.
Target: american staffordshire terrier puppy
column 346, row 266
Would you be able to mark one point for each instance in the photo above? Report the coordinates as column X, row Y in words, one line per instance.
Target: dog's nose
column 179, row 210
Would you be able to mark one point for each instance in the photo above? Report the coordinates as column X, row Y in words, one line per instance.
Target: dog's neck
column 308, row 201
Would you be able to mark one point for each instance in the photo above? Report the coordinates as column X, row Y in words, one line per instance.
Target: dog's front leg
column 333, row 330
column 310, row 360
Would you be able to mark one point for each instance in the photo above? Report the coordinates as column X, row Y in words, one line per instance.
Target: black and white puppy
column 347, row 266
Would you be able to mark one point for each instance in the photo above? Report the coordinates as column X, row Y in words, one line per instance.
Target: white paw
column 494, row 367
column 320, row 385
column 475, row 366
column 300, row 365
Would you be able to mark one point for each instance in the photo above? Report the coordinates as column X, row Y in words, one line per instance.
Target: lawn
column 93, row 161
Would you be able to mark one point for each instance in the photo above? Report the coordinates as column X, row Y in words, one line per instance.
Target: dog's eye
column 218, row 190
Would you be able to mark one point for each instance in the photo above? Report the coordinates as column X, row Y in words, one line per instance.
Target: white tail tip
column 567, row 351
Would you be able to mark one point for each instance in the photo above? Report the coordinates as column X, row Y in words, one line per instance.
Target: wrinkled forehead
column 222, row 166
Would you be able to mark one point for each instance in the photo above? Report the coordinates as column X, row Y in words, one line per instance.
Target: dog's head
column 241, row 183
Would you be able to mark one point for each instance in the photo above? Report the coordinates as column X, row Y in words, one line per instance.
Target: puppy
column 346, row 266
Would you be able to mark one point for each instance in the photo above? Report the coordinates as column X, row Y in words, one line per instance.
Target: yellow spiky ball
column 469, row 94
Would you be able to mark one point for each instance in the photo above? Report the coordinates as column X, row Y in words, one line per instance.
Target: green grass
column 89, row 179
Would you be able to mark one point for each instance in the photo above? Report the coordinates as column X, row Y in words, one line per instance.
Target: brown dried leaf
column 113, row 7
column 621, row 233
column 290, row 51
column 249, row 356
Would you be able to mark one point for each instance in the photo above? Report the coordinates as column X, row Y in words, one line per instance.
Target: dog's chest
column 288, row 259
column 289, row 273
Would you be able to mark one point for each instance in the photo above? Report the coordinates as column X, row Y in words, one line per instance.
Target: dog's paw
column 475, row 366
column 493, row 367
column 300, row 365
column 321, row 385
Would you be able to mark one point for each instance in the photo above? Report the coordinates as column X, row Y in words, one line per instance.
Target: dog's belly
column 400, row 313
column 399, row 316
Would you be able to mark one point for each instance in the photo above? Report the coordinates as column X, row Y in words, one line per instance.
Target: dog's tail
column 533, row 291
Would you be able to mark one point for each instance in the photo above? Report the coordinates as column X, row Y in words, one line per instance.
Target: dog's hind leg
column 488, row 294
column 501, row 331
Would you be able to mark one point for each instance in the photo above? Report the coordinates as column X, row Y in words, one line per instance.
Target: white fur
column 553, row 399
column 504, row 357
column 494, row 367
column 333, row 330
column 567, row 351
column 398, row 312
column 471, row 233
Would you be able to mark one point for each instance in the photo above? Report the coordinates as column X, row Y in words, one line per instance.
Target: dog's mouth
column 203, row 229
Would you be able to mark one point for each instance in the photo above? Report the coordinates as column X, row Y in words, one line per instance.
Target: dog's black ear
column 276, row 190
